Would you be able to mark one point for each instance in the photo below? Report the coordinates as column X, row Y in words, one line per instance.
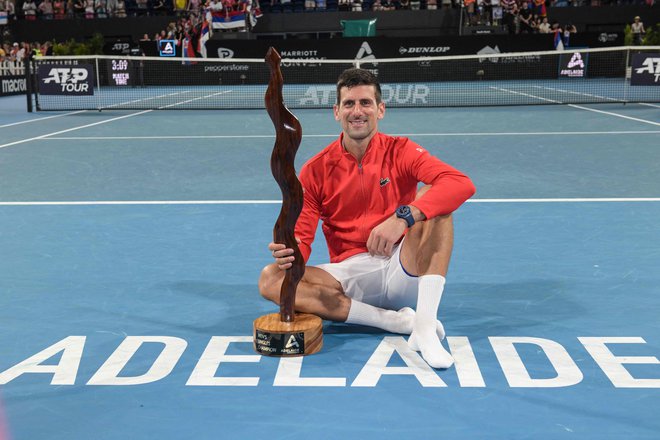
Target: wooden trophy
column 286, row 333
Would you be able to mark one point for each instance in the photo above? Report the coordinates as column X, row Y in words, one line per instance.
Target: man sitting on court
column 389, row 243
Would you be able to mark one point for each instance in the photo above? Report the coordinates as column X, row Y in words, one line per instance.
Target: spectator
column 544, row 26
column 46, row 9
column 101, row 8
column 159, row 7
column 568, row 30
column 310, row 5
column 36, row 49
column 356, row 6
column 180, row 6
column 415, row 5
column 194, row 7
column 13, row 53
column 120, row 9
column 432, row 4
column 47, row 48
column 70, row 9
column 89, row 9
column 30, row 10
column 79, row 8
column 637, row 29
column 525, row 17
column 11, row 10
column 142, row 7
column 539, row 8
column 22, row 52
column 508, row 15
column 344, row 5
column 59, row 9
column 469, row 9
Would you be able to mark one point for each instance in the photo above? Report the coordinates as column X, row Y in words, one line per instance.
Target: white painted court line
column 39, row 119
column 145, row 99
column 272, row 136
column 73, row 129
column 276, row 202
column 526, row 94
column 614, row 114
column 576, row 93
column 194, row 99
column 578, row 106
column 648, row 104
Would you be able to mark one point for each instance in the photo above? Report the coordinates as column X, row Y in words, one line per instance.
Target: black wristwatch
column 405, row 213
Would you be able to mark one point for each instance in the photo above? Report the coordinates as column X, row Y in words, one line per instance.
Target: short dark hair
column 358, row 77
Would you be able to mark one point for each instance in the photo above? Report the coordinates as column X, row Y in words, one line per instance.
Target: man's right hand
column 282, row 254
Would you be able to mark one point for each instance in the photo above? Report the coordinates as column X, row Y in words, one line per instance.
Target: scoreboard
column 120, row 72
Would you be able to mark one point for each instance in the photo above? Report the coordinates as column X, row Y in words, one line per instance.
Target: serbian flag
column 188, row 51
column 204, row 36
column 228, row 19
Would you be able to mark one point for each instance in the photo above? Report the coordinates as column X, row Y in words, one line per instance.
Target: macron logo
column 384, row 181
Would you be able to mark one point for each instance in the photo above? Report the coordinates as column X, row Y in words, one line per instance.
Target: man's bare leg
column 426, row 252
column 321, row 294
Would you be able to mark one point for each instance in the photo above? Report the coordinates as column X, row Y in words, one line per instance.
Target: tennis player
column 389, row 242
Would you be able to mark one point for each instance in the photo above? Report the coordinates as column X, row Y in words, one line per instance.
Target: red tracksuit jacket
column 352, row 198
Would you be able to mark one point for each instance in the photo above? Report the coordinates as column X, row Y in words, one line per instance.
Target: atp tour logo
column 59, row 80
column 576, row 67
column 645, row 70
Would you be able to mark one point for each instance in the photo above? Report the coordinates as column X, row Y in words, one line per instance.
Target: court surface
column 131, row 243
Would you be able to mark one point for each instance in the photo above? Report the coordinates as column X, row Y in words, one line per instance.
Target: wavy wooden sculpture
column 287, row 333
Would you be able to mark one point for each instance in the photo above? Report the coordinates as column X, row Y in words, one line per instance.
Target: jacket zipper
column 364, row 203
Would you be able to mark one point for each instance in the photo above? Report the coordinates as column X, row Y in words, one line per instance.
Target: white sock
column 389, row 320
column 401, row 321
column 424, row 337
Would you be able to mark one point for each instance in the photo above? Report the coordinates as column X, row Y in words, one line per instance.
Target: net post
column 98, row 81
column 28, row 82
column 626, row 82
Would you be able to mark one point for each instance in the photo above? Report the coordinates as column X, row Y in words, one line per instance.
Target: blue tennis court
column 131, row 243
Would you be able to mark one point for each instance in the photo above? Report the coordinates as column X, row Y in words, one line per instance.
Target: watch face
column 403, row 211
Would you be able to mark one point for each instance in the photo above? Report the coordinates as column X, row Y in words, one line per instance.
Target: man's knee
column 270, row 282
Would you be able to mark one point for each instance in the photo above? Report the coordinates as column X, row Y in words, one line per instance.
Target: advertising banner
column 57, row 79
column 645, row 69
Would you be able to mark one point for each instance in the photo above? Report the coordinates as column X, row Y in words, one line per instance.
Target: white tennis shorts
column 379, row 281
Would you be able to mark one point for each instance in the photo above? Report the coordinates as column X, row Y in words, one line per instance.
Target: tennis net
column 623, row 74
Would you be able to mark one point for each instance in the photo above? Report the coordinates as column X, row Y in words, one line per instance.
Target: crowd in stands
column 61, row 9
column 17, row 52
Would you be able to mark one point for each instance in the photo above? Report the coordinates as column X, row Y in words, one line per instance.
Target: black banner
column 57, row 79
column 374, row 48
column 12, row 85
column 645, row 69
column 573, row 65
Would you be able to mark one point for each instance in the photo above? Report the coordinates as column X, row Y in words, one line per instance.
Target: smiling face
column 358, row 112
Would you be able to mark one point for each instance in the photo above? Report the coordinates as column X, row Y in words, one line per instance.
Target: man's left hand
column 384, row 236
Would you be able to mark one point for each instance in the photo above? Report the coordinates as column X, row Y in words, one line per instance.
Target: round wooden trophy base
column 301, row 337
